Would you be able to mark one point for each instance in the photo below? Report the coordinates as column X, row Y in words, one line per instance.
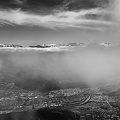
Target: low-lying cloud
column 86, row 67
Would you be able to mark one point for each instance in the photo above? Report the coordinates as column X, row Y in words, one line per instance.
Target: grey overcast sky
column 31, row 22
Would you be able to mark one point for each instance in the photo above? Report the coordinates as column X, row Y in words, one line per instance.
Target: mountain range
column 59, row 45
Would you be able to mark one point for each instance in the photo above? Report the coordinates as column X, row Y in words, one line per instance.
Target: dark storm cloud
column 64, row 4
column 20, row 2
column 29, row 3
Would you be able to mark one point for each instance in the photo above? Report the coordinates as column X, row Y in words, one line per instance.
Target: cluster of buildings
column 86, row 104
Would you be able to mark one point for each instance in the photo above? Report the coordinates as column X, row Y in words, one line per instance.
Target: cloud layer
column 77, row 14
column 43, row 70
column 89, row 19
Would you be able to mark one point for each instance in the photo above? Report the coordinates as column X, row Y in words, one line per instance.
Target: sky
column 31, row 22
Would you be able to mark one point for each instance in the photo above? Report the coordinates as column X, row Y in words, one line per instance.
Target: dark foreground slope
column 42, row 114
